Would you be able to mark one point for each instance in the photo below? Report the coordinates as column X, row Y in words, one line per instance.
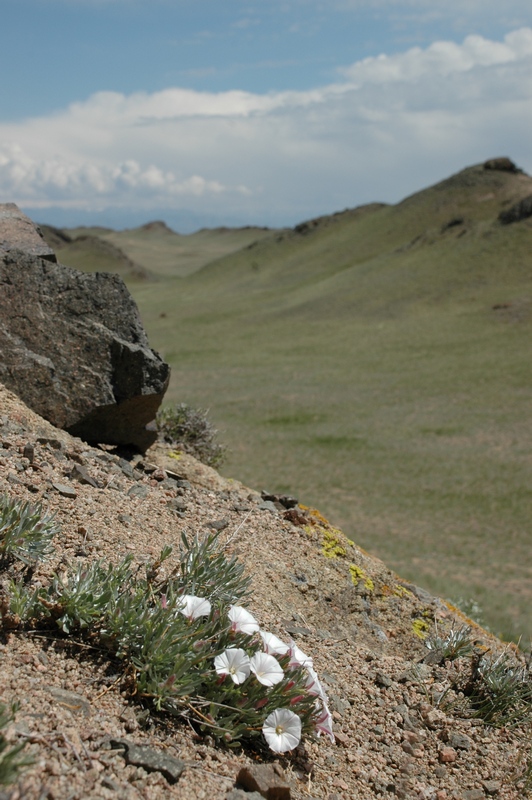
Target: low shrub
column 188, row 646
column 189, row 429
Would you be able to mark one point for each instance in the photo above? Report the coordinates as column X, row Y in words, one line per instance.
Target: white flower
column 313, row 684
column 272, row 644
column 234, row 662
column 298, row 657
column 242, row 620
column 193, row 607
column 267, row 669
column 324, row 723
column 282, row 730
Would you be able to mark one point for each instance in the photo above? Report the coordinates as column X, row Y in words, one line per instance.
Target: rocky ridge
column 398, row 729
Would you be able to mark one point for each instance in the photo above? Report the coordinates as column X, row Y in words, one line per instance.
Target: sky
column 238, row 112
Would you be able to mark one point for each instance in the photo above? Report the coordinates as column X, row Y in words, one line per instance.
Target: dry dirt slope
column 361, row 626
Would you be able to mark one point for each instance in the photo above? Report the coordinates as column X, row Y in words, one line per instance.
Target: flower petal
column 282, row 730
column 313, row 684
column 234, row 662
column 273, row 645
column 324, row 723
column 298, row 657
column 266, row 668
column 193, row 607
column 242, row 620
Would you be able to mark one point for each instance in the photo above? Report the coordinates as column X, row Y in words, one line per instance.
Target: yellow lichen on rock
column 358, row 574
column 420, row 627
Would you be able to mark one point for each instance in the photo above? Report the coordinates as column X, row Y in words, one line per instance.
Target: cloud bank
column 387, row 126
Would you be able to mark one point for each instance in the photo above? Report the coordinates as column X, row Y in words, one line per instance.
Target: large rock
column 72, row 345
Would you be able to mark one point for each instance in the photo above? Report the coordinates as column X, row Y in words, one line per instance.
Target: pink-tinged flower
column 242, row 620
column 234, row 662
column 313, row 684
column 193, row 607
column 298, row 657
column 273, row 645
column 266, row 669
column 324, row 723
column 282, row 730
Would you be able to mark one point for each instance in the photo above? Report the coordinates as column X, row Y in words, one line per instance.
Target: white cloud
column 389, row 125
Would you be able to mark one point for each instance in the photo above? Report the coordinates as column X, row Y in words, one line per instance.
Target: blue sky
column 238, row 111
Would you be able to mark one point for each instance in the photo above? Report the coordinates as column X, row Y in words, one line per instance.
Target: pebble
column 64, row 490
column 491, row 787
column 447, row 755
column 139, row 490
column 459, row 741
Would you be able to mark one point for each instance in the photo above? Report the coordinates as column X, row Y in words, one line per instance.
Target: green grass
column 362, row 367
column 162, row 252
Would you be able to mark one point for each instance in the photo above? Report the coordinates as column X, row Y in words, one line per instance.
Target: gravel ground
column 396, row 733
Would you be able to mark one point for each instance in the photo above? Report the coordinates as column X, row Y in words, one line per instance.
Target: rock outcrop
column 503, row 164
column 517, row 212
column 72, row 344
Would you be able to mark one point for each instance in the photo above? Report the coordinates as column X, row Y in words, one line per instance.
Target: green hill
column 376, row 363
column 148, row 251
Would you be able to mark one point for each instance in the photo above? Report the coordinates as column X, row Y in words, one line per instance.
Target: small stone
column 65, row 491
column 268, row 505
column 341, row 784
column 240, row 794
column 341, row 738
column 109, row 783
column 218, row 524
column 126, row 467
column 267, row 779
column 139, row 490
column 447, row 755
column 150, row 759
column 81, row 474
column 460, row 741
column 473, row 794
column 75, row 703
column 177, row 504
column 491, row 787
column 29, row 452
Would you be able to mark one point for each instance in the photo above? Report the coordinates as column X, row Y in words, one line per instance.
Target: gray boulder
column 72, row 345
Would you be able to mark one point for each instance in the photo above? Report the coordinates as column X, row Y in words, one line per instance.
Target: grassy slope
column 361, row 366
column 171, row 254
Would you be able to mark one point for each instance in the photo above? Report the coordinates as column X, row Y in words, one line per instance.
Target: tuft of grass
column 11, row 763
column 190, row 429
column 457, row 643
column 500, row 690
column 25, row 532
